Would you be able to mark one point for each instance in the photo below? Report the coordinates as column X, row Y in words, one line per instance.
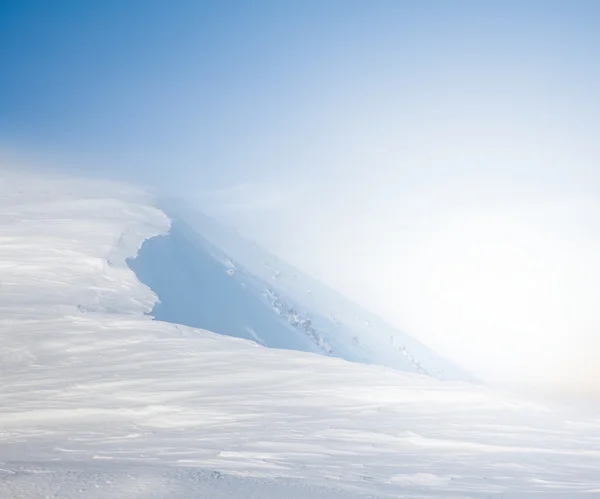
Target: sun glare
column 498, row 283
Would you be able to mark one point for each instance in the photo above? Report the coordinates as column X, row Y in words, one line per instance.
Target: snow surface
column 100, row 401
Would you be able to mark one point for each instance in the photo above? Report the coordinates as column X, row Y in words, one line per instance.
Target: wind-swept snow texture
column 99, row 401
column 208, row 277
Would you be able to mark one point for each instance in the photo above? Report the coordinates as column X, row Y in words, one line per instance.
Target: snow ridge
column 267, row 300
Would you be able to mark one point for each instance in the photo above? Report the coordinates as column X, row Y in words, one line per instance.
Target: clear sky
column 437, row 161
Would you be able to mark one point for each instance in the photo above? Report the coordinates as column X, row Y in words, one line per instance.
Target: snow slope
column 100, row 401
column 206, row 276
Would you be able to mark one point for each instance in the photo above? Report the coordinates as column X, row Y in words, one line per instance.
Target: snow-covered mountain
column 100, row 401
column 207, row 276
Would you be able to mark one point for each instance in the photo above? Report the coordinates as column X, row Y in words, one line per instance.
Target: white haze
column 484, row 249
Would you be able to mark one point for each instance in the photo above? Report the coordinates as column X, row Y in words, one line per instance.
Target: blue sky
column 262, row 87
column 397, row 150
